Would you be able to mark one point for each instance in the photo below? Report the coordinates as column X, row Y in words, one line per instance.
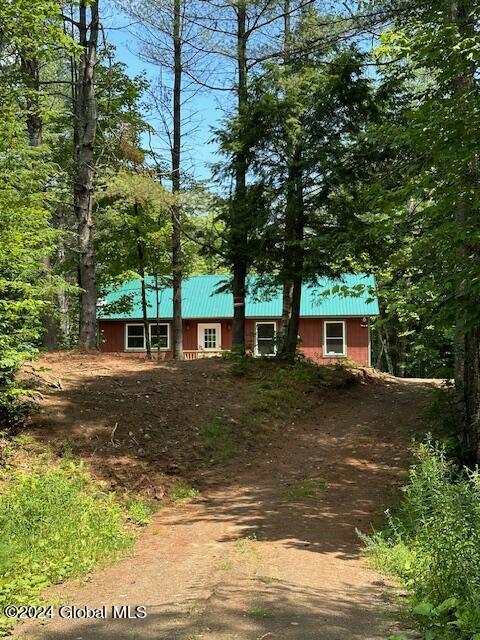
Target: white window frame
column 344, row 343
column 200, row 335
column 256, row 351
column 134, row 324
column 160, row 324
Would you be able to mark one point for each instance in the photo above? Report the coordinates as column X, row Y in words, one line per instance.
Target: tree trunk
column 141, row 269
column 239, row 227
column 63, row 298
column 292, row 269
column 64, row 309
column 176, row 184
column 467, row 340
column 293, row 235
column 85, row 114
column 380, row 347
column 157, row 314
column 49, row 337
column 402, row 357
column 471, row 386
column 148, row 343
column 386, row 346
column 31, row 68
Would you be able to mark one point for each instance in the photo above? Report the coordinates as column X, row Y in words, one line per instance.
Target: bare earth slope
column 245, row 561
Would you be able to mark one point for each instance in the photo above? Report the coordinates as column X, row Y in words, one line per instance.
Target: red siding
column 357, row 341
column 310, row 330
column 112, row 335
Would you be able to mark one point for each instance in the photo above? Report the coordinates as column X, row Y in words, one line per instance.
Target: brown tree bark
column 292, row 267
column 85, row 116
column 177, row 261
column 293, row 256
column 287, row 292
column 467, row 338
column 239, row 227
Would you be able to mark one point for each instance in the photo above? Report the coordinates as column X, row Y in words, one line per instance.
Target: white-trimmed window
column 134, row 337
column 160, row 333
column 334, row 341
column 265, row 338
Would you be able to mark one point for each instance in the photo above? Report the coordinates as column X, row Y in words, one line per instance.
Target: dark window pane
column 210, row 338
column 163, row 333
column 334, row 330
column 135, row 337
column 265, row 330
column 266, row 347
column 335, row 346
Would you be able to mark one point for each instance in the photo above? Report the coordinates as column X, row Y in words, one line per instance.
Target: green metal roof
column 199, row 299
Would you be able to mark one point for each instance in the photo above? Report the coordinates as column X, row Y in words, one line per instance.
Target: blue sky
column 199, row 151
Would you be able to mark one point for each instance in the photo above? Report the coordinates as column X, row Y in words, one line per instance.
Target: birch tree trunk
column 85, row 115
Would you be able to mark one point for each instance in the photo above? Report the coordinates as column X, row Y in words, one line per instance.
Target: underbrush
column 441, row 415
column 300, row 371
column 54, row 524
column 432, row 544
column 182, row 491
column 274, row 394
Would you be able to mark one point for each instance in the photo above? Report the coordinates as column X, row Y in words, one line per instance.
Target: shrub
column 54, row 524
column 139, row 512
column 433, row 546
column 181, row 491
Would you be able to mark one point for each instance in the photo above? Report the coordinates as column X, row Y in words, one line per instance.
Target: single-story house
column 332, row 325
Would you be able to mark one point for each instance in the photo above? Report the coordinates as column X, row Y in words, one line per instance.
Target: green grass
column 54, row 524
column 246, row 548
column 307, row 490
column 277, row 392
column 139, row 512
column 181, row 491
column 259, row 613
column 218, row 440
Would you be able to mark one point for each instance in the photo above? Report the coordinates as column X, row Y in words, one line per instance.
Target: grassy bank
column 55, row 523
column 432, row 544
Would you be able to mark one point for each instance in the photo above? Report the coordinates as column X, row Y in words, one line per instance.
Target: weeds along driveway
column 271, row 550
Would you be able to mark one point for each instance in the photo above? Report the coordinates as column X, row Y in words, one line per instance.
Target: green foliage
column 259, row 613
column 134, row 211
column 300, row 118
column 139, row 512
column 54, row 524
column 441, row 414
column 182, row 491
column 413, row 181
column 433, row 546
column 25, row 240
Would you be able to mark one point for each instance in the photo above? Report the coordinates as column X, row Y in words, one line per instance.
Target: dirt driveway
column 255, row 559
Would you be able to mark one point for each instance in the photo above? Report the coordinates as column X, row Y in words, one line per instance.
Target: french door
column 209, row 336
